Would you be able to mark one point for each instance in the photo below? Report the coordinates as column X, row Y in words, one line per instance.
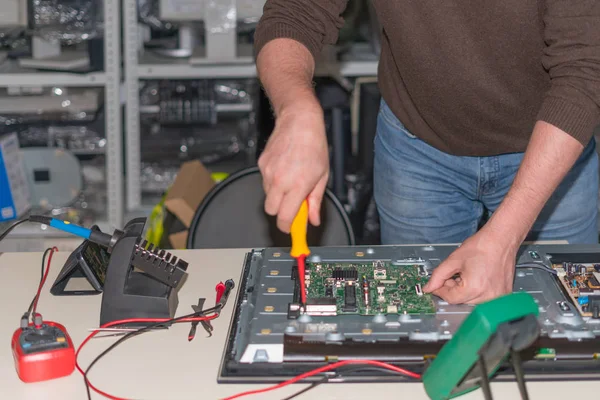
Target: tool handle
column 298, row 232
column 73, row 229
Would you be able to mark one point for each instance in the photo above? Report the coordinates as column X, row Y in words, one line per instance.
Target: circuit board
column 380, row 287
column 582, row 284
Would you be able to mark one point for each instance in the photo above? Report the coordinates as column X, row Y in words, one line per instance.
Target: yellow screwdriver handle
column 298, row 232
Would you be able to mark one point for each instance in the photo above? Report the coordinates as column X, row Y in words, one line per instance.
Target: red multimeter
column 42, row 350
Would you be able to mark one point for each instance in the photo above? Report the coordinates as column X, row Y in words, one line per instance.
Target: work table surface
column 164, row 365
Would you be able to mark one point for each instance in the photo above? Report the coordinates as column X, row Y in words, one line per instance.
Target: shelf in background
column 154, row 66
column 13, row 75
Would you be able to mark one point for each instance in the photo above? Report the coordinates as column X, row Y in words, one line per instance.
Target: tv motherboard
column 378, row 287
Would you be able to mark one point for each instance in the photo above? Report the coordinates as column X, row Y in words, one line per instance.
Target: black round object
column 232, row 216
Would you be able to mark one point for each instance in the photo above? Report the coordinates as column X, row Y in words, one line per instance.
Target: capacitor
column 583, row 270
column 574, row 283
column 328, row 291
column 366, row 295
column 572, row 268
column 582, row 300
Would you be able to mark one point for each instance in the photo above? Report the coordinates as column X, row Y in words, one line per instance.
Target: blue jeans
column 424, row 195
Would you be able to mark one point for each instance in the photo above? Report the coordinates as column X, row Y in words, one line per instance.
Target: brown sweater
column 470, row 77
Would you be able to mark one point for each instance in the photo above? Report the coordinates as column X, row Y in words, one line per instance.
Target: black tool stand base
column 131, row 293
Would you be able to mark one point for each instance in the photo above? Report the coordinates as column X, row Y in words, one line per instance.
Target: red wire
column 121, row 322
column 324, row 369
column 107, row 325
column 39, row 291
column 301, row 269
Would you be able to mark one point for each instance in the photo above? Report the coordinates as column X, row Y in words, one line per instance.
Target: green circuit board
column 380, row 287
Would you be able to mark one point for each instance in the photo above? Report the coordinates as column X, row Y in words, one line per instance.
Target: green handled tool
column 492, row 333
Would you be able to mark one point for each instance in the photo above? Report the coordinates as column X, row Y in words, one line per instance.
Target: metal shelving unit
column 13, row 75
column 110, row 80
column 145, row 65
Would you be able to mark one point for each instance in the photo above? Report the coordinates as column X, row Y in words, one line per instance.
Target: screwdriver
column 300, row 248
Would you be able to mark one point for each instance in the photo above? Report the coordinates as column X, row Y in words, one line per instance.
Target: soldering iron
column 95, row 236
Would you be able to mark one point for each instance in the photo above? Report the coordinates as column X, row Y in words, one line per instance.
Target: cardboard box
column 192, row 184
column 15, row 197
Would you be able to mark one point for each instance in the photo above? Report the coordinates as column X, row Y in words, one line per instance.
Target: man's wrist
column 304, row 103
column 508, row 226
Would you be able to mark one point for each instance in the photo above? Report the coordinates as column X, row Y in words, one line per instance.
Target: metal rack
column 140, row 65
column 110, row 80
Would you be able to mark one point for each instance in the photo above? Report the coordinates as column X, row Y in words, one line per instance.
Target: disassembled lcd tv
column 368, row 302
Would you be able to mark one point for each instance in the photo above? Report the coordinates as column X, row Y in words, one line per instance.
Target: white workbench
column 164, row 365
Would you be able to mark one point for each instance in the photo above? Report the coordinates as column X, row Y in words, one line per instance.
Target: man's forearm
column 549, row 157
column 286, row 68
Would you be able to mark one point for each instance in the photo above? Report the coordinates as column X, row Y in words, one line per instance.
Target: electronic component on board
column 328, row 290
column 366, row 292
column 323, row 306
column 419, row 290
column 379, row 271
column 350, row 299
column 345, row 274
column 594, row 281
column 581, row 282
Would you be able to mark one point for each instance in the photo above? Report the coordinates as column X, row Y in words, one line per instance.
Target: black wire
column 343, row 372
column 310, row 387
column 138, row 332
column 537, row 266
column 10, row 228
column 41, row 279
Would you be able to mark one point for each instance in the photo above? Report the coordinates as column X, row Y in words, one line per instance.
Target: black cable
column 310, row 387
column 13, row 226
column 345, row 371
column 32, row 218
column 41, row 279
column 138, row 332
column 537, row 266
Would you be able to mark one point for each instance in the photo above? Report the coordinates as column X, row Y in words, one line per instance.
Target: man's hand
column 486, row 261
column 481, row 269
column 295, row 165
